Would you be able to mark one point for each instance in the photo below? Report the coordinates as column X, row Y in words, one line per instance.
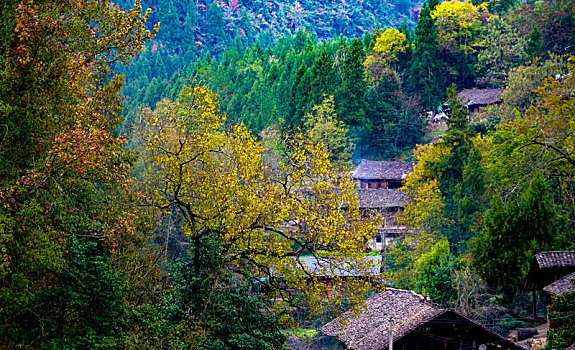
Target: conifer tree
column 350, row 101
column 426, row 69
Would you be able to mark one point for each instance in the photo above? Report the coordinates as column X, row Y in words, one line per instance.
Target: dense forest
column 165, row 167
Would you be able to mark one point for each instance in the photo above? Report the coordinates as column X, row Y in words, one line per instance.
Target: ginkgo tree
column 265, row 216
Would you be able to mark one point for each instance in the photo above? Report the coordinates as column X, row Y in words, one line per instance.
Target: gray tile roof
column 329, row 267
column 480, row 96
column 369, row 331
column 381, row 198
column 555, row 259
column 382, row 170
column 409, row 310
column 562, row 285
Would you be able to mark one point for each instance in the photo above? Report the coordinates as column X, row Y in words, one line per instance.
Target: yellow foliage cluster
column 459, row 22
column 265, row 215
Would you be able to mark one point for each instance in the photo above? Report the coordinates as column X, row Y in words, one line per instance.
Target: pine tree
column 350, row 100
column 513, row 232
column 426, row 68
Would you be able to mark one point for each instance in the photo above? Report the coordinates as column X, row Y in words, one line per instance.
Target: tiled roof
column 555, row 259
column 382, row 170
column 480, row 96
column 562, row 285
column 369, row 331
column 381, row 198
column 329, row 267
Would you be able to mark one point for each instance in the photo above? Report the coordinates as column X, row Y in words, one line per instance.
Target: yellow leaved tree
column 388, row 46
column 459, row 24
column 266, row 217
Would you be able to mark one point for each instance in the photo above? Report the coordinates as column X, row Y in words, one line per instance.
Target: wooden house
column 548, row 267
column 379, row 193
column 389, row 204
column 381, row 174
column 475, row 99
column 411, row 321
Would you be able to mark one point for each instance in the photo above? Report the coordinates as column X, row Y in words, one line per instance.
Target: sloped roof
column 562, row 285
column 548, row 267
column 572, row 347
column 381, row 198
column 409, row 310
column 327, row 266
column 555, row 259
column 382, row 170
column 480, row 96
column 369, row 331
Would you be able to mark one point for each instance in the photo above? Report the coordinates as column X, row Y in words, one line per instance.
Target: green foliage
column 504, row 49
column 512, row 233
column 561, row 333
column 434, row 270
column 209, row 307
column 323, row 126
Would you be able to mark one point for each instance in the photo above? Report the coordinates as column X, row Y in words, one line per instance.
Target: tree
column 218, row 184
column 459, row 174
column 324, row 127
column 502, row 49
column 534, row 46
column 561, row 333
column 459, row 24
column 64, row 174
column 512, row 233
column 388, row 46
column 425, row 77
column 350, row 98
column 434, row 269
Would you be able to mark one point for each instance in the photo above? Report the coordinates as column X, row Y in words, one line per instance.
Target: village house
column 410, row 321
column 475, row 99
column 554, row 273
column 379, row 193
column 381, row 174
column 547, row 268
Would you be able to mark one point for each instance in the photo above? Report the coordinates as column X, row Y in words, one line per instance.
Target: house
column 475, row 99
column 379, row 193
column 411, row 321
column 547, row 268
column 381, row 174
column 325, row 269
column 389, row 204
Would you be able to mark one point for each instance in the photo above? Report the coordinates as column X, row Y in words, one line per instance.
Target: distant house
column 379, row 183
column 475, row 99
column 416, row 323
column 380, row 174
column 389, row 204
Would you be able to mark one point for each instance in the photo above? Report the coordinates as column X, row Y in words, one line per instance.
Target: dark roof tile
column 555, row 259
column 381, row 198
column 382, row 170
column 480, row 96
column 369, row 330
column 562, row 285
